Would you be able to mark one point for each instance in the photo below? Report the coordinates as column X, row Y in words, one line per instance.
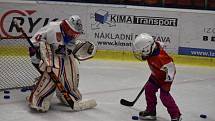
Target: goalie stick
column 128, row 103
column 54, row 78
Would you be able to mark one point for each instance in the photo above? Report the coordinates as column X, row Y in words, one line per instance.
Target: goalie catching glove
column 84, row 50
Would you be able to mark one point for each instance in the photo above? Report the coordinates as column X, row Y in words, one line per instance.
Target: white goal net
column 16, row 70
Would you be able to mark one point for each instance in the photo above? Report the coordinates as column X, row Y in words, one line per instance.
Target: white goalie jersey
column 52, row 34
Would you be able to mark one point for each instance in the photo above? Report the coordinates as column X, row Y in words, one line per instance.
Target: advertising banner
column 32, row 16
column 111, row 28
column 197, row 36
column 115, row 28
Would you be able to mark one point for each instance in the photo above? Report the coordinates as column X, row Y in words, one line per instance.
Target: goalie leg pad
column 70, row 80
column 41, row 95
column 44, row 108
column 83, row 105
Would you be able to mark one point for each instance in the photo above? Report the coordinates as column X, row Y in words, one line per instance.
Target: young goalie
column 56, row 50
column 162, row 75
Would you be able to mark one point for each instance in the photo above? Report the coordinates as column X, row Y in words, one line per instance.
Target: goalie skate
column 44, row 108
column 83, row 105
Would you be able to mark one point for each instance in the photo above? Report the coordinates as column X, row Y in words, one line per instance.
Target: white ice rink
column 109, row 81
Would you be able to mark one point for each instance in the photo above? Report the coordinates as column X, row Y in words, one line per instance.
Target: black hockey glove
column 61, row 50
column 34, row 51
column 69, row 51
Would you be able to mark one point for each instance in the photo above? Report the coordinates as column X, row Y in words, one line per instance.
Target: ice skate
column 177, row 119
column 145, row 115
column 44, row 108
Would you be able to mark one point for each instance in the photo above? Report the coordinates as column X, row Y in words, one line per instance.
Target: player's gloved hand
column 168, row 77
column 34, row 52
column 38, row 55
column 61, row 50
column 69, row 51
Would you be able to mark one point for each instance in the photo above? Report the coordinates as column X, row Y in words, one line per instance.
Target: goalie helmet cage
column 16, row 70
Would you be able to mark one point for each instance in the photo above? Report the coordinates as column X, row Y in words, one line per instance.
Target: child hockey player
column 162, row 74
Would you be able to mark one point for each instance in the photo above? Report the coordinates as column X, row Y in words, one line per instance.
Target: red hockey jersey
column 162, row 68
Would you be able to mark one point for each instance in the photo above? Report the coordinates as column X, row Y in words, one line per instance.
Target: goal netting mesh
column 16, row 70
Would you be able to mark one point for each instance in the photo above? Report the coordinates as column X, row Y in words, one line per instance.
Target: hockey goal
column 16, row 70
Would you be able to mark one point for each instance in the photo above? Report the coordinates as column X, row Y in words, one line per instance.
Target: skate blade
column 36, row 109
column 149, row 118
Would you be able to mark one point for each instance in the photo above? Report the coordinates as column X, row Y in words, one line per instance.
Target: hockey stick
column 24, row 34
column 61, row 88
column 128, row 103
column 54, row 78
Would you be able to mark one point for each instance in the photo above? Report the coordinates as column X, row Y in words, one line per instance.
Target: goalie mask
column 143, row 46
column 72, row 27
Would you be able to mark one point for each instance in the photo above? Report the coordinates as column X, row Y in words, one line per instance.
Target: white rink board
column 124, row 22
column 46, row 12
column 195, row 26
column 117, row 26
column 34, row 16
column 198, row 35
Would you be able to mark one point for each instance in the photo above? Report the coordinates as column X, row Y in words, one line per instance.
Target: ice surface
column 109, row 81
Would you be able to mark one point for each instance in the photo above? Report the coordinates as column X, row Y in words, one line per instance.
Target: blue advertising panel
column 196, row 52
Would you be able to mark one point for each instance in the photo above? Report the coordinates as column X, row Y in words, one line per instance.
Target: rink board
column 178, row 59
